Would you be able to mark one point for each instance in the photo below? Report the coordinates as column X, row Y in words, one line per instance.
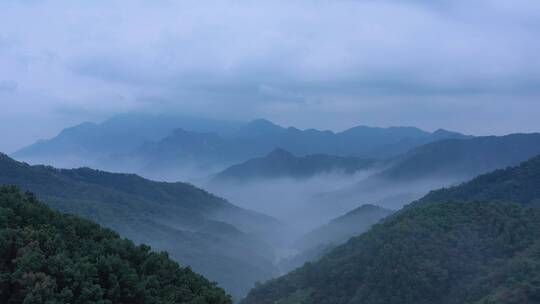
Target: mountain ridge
column 128, row 138
column 281, row 163
column 197, row 228
column 57, row 258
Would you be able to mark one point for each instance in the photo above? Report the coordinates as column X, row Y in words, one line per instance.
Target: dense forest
column 216, row 238
column 519, row 184
column 50, row 257
column 474, row 243
column 445, row 253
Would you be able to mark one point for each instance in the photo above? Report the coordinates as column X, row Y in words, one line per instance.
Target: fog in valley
column 272, row 151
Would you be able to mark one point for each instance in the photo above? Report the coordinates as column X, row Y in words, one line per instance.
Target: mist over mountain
column 342, row 228
column 436, row 251
column 270, row 152
column 283, row 164
column 166, row 146
column 49, row 257
column 225, row 243
column 314, row 244
column 515, row 184
column 85, row 144
column 431, row 166
column 464, row 158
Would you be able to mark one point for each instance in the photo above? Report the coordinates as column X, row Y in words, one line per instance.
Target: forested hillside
column 49, row 257
column 477, row 252
column 314, row 244
column 219, row 240
column 474, row 243
column 342, row 228
column 519, row 184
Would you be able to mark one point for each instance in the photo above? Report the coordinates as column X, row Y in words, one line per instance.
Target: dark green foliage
column 519, row 184
column 198, row 229
column 447, row 253
column 282, row 164
column 49, row 257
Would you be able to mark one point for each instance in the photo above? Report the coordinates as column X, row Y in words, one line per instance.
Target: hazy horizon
column 54, row 132
column 468, row 67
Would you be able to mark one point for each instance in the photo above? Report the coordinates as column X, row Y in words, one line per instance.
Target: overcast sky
column 471, row 66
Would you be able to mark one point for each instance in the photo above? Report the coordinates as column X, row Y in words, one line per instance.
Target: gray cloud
column 327, row 64
column 8, row 86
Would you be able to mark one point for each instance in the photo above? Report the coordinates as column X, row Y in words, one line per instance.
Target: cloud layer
column 470, row 66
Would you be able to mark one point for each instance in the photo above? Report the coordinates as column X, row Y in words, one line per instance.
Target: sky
column 469, row 66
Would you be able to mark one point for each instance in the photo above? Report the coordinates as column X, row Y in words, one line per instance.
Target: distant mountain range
column 438, row 251
column 49, row 257
column 216, row 238
column 464, row 159
column 439, row 164
column 87, row 143
column 157, row 143
column 283, row 164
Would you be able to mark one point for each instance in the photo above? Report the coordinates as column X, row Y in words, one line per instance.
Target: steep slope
column 445, row 248
column 341, row 229
column 443, row 253
column 282, row 164
column 519, row 184
column 319, row 241
column 216, row 238
column 49, row 257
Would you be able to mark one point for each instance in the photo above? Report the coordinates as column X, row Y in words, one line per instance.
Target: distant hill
column 86, row 143
column 283, row 164
column 187, row 149
column 465, row 244
column 155, row 143
column 216, row 238
column 49, row 257
column 464, row 158
column 317, row 242
column 431, row 166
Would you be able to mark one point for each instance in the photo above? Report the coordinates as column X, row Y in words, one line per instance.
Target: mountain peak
column 445, row 134
column 280, row 153
column 6, row 158
column 262, row 122
column 260, row 127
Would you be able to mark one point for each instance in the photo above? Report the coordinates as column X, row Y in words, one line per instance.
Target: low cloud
column 327, row 64
column 8, row 86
